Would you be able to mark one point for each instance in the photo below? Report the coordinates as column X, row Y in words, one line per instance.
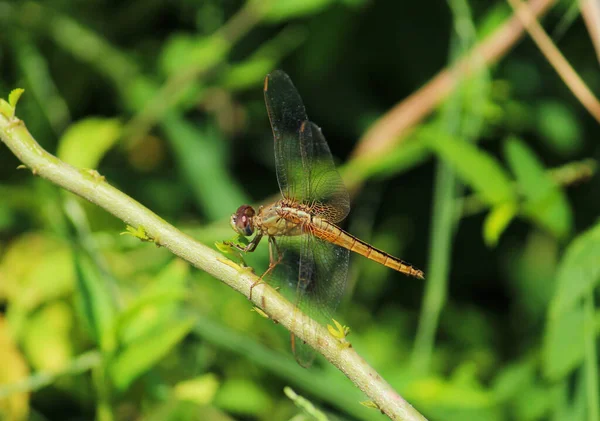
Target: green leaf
column 95, row 300
column 545, row 203
column 282, row 10
column 476, row 168
column 242, row 395
column 14, row 404
column 183, row 51
column 563, row 347
column 251, row 72
column 47, row 337
column 558, row 125
column 144, row 353
column 200, row 390
column 157, row 302
column 512, row 379
column 86, row 142
column 497, row 221
column 578, row 272
column 147, row 312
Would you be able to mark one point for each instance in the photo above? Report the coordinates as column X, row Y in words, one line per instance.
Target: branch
column 39, row 380
column 89, row 185
column 590, row 10
column 556, row 59
column 393, row 126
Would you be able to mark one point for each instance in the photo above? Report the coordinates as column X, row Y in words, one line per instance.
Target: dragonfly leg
column 250, row 247
column 273, row 261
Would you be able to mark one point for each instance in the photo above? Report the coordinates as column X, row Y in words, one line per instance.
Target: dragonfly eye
column 242, row 220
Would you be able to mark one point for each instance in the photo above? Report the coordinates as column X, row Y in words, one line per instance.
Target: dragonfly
column 308, row 252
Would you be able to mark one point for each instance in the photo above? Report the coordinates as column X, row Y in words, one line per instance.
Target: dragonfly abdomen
column 332, row 233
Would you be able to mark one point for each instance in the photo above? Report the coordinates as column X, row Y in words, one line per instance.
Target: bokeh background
column 493, row 194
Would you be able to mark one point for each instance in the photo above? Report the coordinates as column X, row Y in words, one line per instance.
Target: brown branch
column 389, row 129
column 556, row 59
column 590, row 10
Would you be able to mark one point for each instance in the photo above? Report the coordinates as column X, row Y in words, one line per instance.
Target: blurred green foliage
column 164, row 99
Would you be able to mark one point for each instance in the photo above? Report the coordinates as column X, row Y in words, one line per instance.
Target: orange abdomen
column 333, row 234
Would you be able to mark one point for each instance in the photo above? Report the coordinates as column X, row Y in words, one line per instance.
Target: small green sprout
column 8, row 108
column 95, row 175
column 260, row 312
column 370, row 404
column 140, row 233
column 340, row 332
column 13, row 97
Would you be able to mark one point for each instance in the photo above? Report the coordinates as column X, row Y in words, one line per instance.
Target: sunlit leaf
column 142, row 354
column 289, row 9
column 545, row 203
column 497, row 221
column 476, row 168
column 47, row 339
column 438, row 391
column 578, row 272
column 86, row 142
column 248, row 73
column 200, row 390
column 564, row 340
column 182, row 51
column 12, row 369
column 35, row 268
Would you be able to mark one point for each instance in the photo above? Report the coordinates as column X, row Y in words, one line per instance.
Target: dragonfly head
column 242, row 221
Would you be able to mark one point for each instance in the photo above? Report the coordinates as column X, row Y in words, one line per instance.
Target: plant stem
column 37, row 381
column 437, row 278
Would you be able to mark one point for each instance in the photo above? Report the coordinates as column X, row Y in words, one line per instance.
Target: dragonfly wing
column 305, row 168
column 313, row 275
column 325, row 186
column 287, row 115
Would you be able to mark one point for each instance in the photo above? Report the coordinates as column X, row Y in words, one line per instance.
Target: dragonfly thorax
column 242, row 221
